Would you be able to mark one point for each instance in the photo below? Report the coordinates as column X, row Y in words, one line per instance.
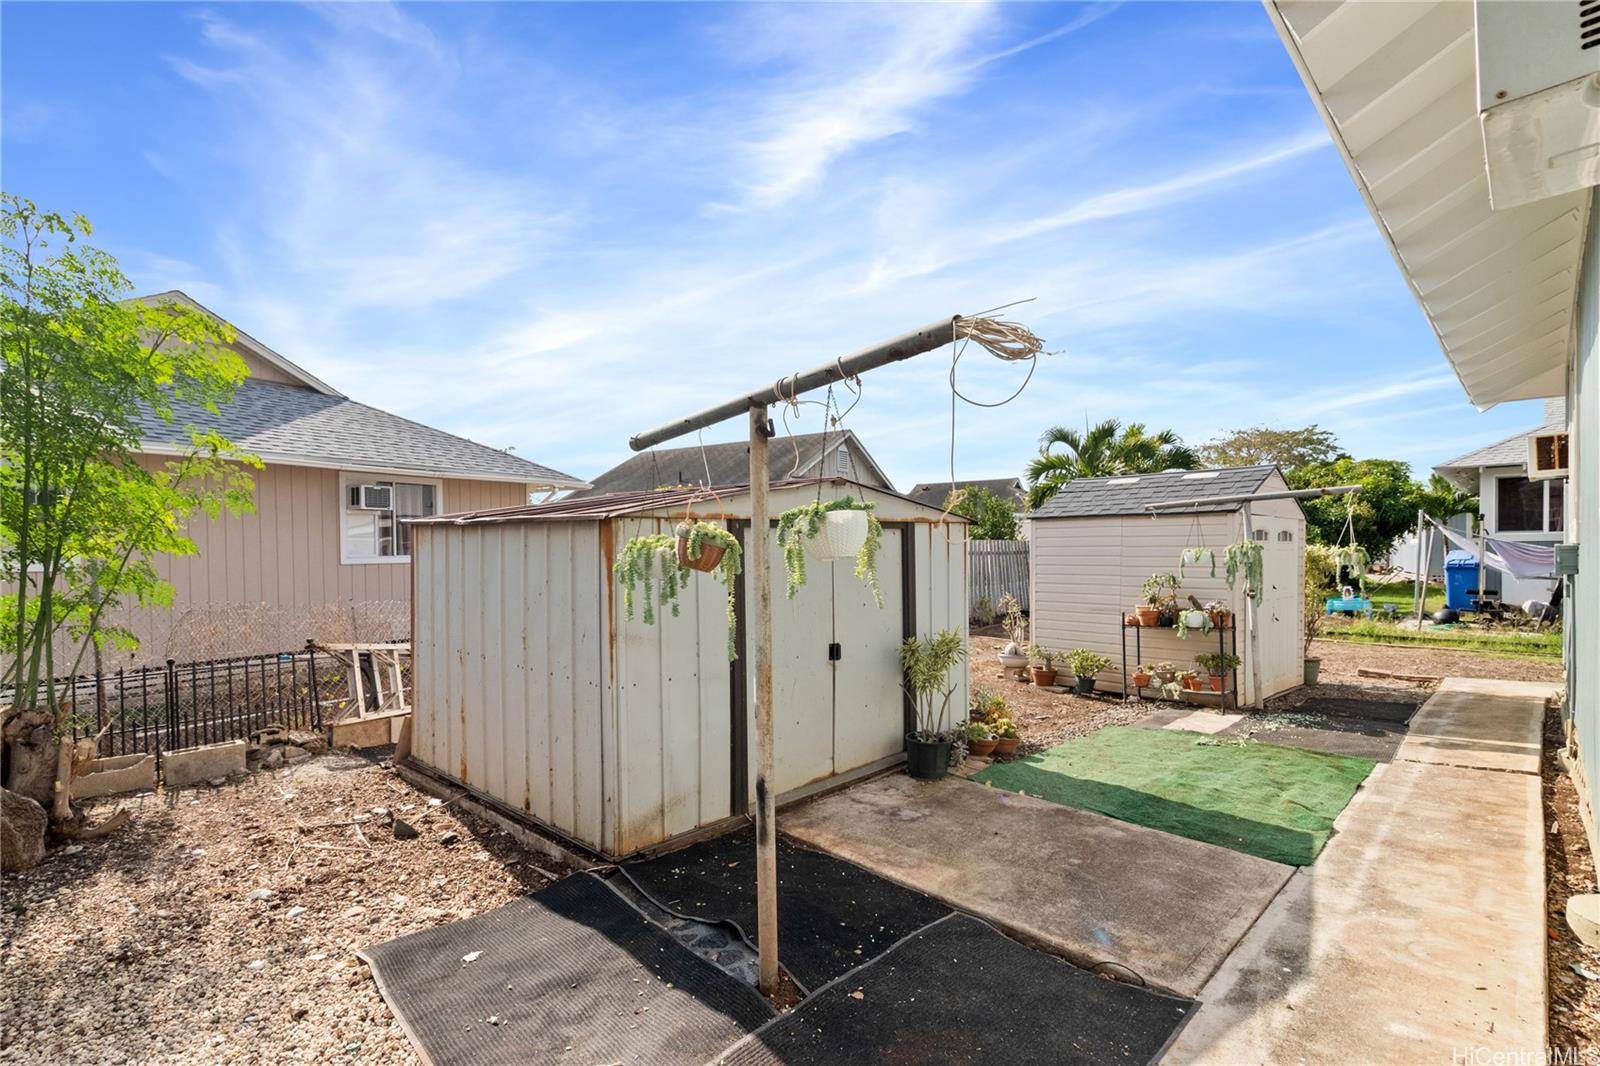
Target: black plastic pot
column 927, row 760
column 1086, row 685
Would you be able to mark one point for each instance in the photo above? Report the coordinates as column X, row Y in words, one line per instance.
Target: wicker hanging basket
column 710, row 554
column 840, row 536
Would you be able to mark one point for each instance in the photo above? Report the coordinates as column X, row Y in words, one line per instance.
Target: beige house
column 327, row 553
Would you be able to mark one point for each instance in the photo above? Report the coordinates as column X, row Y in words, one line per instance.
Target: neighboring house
column 800, row 455
column 1514, row 506
column 1468, row 129
column 326, row 555
column 935, row 493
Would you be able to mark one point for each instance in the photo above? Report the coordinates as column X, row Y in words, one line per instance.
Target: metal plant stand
column 1227, row 640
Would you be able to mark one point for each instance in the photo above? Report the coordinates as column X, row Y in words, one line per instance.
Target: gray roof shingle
column 1128, row 495
column 936, row 492
column 1513, row 450
column 729, row 463
column 289, row 422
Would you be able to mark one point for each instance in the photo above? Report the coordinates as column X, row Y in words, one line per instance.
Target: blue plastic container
column 1460, row 576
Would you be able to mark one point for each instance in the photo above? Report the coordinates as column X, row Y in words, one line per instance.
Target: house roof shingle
column 288, row 423
column 1513, row 450
column 729, row 464
column 1128, row 495
column 936, row 492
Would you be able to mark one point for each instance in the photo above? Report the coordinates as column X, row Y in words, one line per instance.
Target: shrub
column 1086, row 663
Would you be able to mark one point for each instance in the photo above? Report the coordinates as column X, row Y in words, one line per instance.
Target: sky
column 549, row 227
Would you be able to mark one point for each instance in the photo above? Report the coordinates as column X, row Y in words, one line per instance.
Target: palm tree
column 1100, row 451
column 1443, row 500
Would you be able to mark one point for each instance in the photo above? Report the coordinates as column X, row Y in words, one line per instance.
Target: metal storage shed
column 534, row 690
column 1094, row 543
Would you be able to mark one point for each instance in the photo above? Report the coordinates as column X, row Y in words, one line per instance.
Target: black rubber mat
column 571, row 974
column 960, row 991
column 1370, row 709
column 1362, row 737
column 832, row 915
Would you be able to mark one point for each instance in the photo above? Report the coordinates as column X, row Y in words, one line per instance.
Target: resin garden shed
column 534, row 691
column 1095, row 542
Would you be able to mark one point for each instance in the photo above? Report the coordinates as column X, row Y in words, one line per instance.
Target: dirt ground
column 215, row 930
column 1341, row 659
column 1569, row 870
column 1044, row 719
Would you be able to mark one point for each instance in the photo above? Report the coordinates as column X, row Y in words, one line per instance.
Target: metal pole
column 1419, row 583
column 1483, row 548
column 1292, row 494
column 758, row 558
column 904, row 346
column 1250, row 620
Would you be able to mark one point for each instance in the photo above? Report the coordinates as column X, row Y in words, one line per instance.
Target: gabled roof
column 247, row 342
column 936, row 492
column 1089, row 497
column 788, row 457
column 1513, row 450
column 297, row 426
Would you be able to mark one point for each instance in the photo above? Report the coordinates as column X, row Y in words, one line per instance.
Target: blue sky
column 549, row 226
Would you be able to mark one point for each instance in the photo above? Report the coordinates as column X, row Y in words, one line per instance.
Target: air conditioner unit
column 1539, row 97
column 1547, row 456
column 372, row 497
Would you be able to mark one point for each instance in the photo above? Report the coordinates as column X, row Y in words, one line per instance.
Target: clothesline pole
column 1419, row 583
column 1483, row 550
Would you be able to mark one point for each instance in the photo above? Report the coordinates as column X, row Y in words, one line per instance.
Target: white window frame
column 346, row 479
column 1544, row 531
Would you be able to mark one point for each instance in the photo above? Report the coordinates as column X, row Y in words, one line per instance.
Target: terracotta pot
column 1216, row 682
column 710, row 555
column 1191, row 684
column 1222, row 619
column 1042, row 676
column 982, row 748
column 1006, row 745
column 1141, row 680
column 1148, row 614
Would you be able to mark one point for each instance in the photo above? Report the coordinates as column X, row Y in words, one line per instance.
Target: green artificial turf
column 1261, row 799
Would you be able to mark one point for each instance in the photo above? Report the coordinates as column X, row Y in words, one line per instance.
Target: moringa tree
column 1099, row 451
column 83, row 517
column 1289, row 449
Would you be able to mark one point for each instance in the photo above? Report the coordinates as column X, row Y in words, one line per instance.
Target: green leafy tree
column 1443, row 499
column 1102, row 450
column 1289, row 449
column 84, row 370
column 992, row 517
column 1384, row 509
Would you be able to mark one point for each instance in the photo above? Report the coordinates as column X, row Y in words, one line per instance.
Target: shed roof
column 728, row 463
column 590, row 507
column 1091, row 497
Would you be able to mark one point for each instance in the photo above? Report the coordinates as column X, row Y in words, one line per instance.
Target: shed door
column 832, row 716
column 1282, row 629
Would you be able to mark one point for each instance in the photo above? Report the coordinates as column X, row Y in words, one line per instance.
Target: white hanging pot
column 1195, row 619
column 840, row 536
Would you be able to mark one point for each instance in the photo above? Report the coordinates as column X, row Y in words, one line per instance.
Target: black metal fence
column 186, row 705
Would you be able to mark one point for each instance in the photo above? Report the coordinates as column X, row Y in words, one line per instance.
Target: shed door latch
column 835, row 652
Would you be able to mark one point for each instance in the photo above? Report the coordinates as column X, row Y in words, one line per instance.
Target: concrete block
column 113, row 776
column 181, row 769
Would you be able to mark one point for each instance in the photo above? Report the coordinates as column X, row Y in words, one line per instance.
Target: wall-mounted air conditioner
column 1547, row 456
column 1539, row 97
column 372, row 497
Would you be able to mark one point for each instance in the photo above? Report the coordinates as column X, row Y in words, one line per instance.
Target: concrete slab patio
column 1418, row 935
column 1087, row 887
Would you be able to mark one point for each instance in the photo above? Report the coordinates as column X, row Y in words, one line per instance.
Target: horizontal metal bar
column 904, row 346
column 1251, row 497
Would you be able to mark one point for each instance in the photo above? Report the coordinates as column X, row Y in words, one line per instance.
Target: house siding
column 271, row 580
column 1582, row 604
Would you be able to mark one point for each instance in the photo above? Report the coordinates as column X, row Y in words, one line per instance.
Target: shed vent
column 1589, row 25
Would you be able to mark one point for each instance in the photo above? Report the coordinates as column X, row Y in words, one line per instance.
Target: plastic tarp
column 1511, row 556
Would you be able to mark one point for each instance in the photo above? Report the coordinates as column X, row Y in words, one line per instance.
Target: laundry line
column 1509, row 556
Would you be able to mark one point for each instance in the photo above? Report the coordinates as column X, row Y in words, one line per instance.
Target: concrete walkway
column 1079, row 884
column 1418, row 934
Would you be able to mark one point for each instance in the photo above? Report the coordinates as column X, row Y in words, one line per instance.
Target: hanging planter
column 1194, row 557
column 661, row 565
column 1354, row 558
column 1244, row 557
column 832, row 529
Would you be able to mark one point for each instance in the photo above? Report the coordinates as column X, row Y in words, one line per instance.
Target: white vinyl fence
column 996, row 567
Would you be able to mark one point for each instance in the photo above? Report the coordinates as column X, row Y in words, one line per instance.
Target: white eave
column 1396, row 83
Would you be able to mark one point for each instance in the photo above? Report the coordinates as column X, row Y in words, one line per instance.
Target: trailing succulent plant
column 1194, row 557
column 1245, row 557
column 1354, row 558
column 800, row 524
column 651, row 561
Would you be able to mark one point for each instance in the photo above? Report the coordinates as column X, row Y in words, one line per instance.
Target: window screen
column 384, row 534
column 1558, row 505
column 1519, row 505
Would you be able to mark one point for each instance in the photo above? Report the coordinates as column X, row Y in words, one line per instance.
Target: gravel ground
column 215, row 930
column 1045, row 719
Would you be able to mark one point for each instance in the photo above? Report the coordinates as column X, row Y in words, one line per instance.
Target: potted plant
column 986, row 706
column 1188, row 680
column 831, row 529
column 1142, row 676
column 1217, row 665
column 1221, row 614
column 1160, row 607
column 981, row 740
column 926, row 663
column 1085, row 664
column 1244, row 558
column 1044, row 673
column 662, row 564
column 1166, row 672
column 1011, row 656
column 1193, row 616
column 1194, row 557
column 1314, row 608
column 1006, row 739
